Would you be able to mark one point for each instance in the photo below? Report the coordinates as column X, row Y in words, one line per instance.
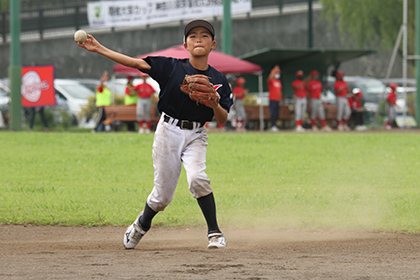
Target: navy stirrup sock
column 208, row 207
column 146, row 219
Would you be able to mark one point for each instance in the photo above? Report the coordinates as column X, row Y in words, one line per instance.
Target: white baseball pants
column 317, row 109
column 173, row 147
column 343, row 109
column 143, row 109
column 300, row 108
column 391, row 112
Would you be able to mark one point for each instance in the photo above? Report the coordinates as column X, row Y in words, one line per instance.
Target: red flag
column 38, row 86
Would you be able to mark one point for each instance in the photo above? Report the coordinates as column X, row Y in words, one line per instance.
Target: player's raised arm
column 92, row 45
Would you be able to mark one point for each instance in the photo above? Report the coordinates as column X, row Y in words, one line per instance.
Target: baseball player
column 341, row 89
column 317, row 108
column 239, row 93
column 299, row 86
column 356, row 107
column 180, row 136
column 103, row 99
column 144, row 103
column 130, row 100
column 274, row 96
column 391, row 104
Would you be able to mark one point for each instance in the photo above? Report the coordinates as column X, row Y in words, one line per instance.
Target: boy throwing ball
column 181, row 136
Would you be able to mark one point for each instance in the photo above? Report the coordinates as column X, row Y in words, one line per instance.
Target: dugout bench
column 118, row 114
column 286, row 117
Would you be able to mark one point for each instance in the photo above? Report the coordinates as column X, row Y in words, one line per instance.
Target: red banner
column 38, row 86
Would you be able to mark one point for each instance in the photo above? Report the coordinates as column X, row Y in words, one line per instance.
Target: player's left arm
column 221, row 106
column 220, row 113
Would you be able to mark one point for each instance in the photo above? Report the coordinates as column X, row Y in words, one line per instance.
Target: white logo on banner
column 129, row 13
column 32, row 86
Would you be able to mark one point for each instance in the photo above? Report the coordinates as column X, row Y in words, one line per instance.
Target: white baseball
column 80, row 36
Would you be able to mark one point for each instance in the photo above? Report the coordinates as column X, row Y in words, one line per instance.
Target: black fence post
column 41, row 24
column 77, row 17
column 3, row 24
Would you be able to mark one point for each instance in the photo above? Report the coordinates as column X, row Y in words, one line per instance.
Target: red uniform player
column 144, row 104
column 274, row 96
column 341, row 89
column 299, row 86
column 317, row 109
column 356, row 107
column 239, row 93
column 391, row 104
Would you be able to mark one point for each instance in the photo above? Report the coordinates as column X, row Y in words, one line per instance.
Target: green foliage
column 350, row 181
column 56, row 119
column 4, row 6
column 89, row 110
column 370, row 23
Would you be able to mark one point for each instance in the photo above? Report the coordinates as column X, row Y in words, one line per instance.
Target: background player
column 180, row 136
column 341, row 89
column 103, row 100
column 239, row 93
column 317, row 109
column 356, row 107
column 391, row 105
column 144, row 104
column 130, row 100
column 274, row 96
column 299, row 86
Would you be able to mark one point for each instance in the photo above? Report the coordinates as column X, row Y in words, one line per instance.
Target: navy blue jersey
column 170, row 73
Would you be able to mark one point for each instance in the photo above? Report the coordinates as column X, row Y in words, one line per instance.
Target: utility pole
column 227, row 28
column 417, row 53
column 15, row 68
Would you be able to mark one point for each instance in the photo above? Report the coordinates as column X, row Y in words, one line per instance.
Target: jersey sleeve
column 160, row 67
column 226, row 95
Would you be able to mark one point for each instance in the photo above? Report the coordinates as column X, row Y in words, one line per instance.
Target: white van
column 76, row 95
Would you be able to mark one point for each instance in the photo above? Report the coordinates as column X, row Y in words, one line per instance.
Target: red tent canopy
column 224, row 63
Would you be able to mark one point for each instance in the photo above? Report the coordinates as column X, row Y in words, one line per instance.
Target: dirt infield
column 53, row 252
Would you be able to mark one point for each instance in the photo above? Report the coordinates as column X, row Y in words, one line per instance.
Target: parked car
column 62, row 104
column 373, row 91
column 4, row 104
column 76, row 95
column 117, row 86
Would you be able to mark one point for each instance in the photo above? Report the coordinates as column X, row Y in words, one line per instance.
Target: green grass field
column 336, row 181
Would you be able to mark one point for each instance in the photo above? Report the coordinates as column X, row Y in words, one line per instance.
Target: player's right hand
column 91, row 44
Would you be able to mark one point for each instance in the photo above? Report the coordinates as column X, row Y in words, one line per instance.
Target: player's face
column 199, row 42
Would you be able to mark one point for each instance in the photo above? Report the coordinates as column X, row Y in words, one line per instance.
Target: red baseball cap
column 393, row 86
column 198, row 23
column 240, row 81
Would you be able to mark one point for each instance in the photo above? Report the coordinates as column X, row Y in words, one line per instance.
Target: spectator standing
column 341, row 90
column 103, row 100
column 274, row 96
column 299, row 86
column 391, row 105
column 144, row 104
column 130, row 100
column 239, row 93
column 355, row 103
column 317, row 108
column 41, row 112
